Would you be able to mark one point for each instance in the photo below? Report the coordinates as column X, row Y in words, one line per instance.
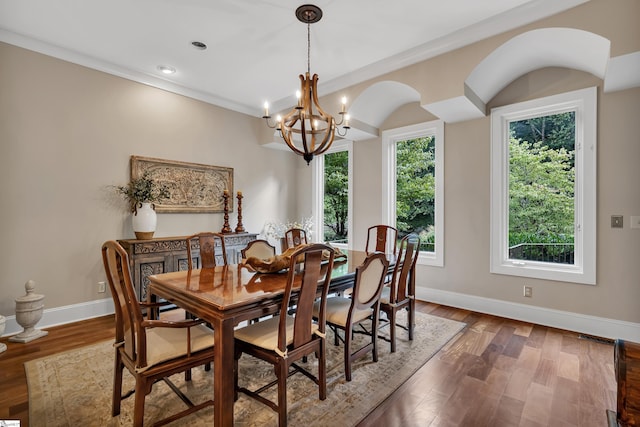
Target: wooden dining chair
column 258, row 248
column 400, row 292
column 294, row 237
column 381, row 238
column 345, row 313
column 285, row 338
column 151, row 350
column 207, row 242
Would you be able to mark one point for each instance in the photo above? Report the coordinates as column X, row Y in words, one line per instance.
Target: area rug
column 74, row 388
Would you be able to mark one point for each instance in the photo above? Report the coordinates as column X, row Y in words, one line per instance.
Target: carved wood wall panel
column 194, row 187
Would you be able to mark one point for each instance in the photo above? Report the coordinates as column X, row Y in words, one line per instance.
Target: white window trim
column 317, row 193
column 389, row 139
column 584, row 103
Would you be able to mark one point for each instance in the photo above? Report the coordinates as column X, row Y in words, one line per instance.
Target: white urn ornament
column 3, row 321
column 29, row 310
column 144, row 221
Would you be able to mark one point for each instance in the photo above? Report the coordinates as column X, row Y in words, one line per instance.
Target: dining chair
column 345, row 313
column 381, row 238
column 151, row 350
column 258, row 248
column 206, row 241
column 294, row 237
column 400, row 292
column 285, row 338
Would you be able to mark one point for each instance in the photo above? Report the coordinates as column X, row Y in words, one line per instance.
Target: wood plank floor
column 499, row 372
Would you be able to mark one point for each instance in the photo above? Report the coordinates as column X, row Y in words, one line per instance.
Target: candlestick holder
column 240, row 227
column 226, row 228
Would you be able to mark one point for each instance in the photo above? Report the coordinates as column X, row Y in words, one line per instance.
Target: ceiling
column 256, row 48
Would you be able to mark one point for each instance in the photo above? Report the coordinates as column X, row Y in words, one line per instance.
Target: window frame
column 584, row 103
column 389, row 138
column 317, row 203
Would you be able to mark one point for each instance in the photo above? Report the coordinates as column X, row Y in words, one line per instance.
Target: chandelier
column 307, row 129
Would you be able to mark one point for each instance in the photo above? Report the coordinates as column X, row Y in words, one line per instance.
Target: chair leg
column 282, row 371
column 322, row 370
column 117, row 384
column 412, row 318
column 347, row 351
column 138, row 406
column 235, row 376
column 392, row 330
column 374, row 335
column 187, row 375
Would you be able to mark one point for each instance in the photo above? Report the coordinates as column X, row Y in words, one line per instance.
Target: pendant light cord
column 308, row 48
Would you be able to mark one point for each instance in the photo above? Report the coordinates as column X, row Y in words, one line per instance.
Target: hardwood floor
column 499, row 372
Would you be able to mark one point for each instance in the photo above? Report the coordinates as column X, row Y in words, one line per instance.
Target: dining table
column 227, row 295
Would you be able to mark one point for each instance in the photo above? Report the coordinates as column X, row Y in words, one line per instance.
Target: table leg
column 223, row 379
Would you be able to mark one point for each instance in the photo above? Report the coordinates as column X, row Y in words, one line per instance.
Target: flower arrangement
column 275, row 230
column 143, row 190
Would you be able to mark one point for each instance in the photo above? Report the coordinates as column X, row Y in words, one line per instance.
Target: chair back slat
column 127, row 308
column 294, row 237
column 404, row 270
column 382, row 238
column 306, row 274
column 207, row 243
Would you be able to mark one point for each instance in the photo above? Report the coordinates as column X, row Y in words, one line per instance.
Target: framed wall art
column 194, row 187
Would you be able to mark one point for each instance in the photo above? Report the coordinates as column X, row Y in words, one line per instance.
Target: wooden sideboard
column 166, row 254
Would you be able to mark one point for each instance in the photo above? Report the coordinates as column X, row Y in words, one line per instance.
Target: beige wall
column 67, row 133
column 467, row 172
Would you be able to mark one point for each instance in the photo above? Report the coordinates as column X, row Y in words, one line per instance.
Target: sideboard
column 166, row 254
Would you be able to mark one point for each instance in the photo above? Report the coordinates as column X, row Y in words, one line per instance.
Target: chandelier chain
column 309, row 48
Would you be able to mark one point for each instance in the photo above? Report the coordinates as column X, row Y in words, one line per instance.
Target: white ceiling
column 256, row 48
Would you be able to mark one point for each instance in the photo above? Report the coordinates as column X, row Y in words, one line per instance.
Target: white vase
column 144, row 221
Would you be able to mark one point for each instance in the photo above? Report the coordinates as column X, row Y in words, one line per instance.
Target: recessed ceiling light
column 199, row 45
column 165, row 69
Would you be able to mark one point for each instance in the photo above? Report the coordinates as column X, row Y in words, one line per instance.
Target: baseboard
column 66, row 314
column 581, row 323
column 591, row 325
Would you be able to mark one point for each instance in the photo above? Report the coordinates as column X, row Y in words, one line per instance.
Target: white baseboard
column 66, row 314
column 581, row 323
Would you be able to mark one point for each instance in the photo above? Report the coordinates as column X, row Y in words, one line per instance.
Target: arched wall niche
column 537, row 49
column 372, row 107
column 565, row 50
column 540, row 83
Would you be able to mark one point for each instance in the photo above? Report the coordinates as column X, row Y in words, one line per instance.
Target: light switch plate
column 635, row 222
column 616, row 221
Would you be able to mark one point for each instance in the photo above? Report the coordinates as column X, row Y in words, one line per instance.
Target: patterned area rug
column 74, row 388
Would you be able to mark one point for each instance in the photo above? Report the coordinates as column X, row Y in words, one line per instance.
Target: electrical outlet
column 528, row 291
column 102, row 287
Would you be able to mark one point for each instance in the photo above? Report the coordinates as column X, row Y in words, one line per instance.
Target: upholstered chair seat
column 164, row 344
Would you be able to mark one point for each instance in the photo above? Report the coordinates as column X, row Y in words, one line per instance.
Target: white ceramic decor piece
column 29, row 310
column 3, row 321
column 144, row 221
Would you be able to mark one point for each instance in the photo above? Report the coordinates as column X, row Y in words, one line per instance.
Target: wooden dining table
column 227, row 295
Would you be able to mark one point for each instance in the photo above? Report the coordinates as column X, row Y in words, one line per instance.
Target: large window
column 543, row 178
column 332, row 204
column 413, row 170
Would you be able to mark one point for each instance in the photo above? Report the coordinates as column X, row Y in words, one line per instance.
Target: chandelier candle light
column 307, row 129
